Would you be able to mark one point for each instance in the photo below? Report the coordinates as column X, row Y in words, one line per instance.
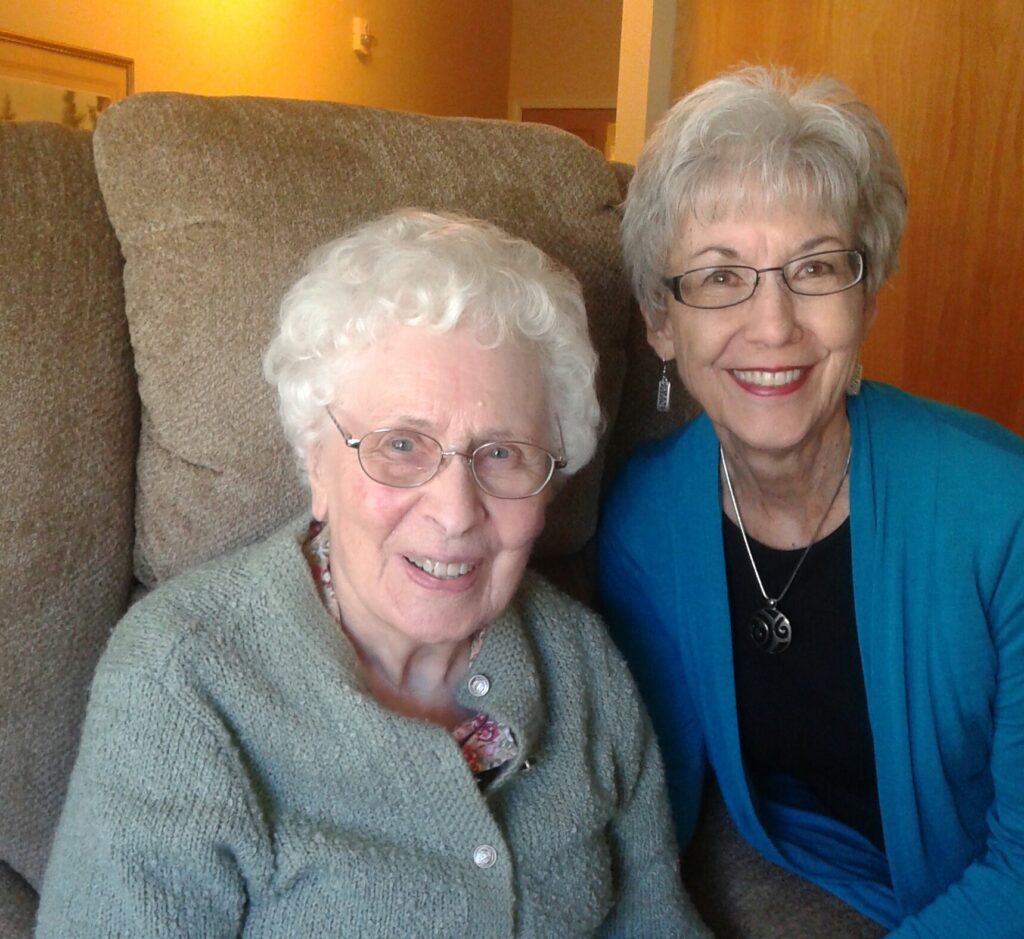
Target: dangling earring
column 664, row 388
column 853, row 385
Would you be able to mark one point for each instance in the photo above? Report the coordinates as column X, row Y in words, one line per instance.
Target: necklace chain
column 773, row 603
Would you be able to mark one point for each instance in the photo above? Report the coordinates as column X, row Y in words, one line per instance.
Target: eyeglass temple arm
column 350, row 441
column 560, row 460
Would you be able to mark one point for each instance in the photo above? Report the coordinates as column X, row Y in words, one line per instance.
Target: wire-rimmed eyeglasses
column 405, row 459
column 811, row 275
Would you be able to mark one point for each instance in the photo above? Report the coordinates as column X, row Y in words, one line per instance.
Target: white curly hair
column 432, row 271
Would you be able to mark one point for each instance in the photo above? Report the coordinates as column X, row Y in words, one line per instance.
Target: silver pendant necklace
column 769, row 627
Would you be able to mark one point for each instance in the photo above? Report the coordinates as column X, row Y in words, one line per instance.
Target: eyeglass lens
column 813, row 275
column 407, row 458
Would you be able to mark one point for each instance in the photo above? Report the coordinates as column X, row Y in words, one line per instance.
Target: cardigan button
column 479, row 685
column 485, row 856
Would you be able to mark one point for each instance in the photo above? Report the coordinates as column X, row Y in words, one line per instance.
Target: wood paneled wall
column 947, row 79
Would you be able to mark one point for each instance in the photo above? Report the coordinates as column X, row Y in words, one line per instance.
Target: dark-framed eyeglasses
column 811, row 275
column 405, row 459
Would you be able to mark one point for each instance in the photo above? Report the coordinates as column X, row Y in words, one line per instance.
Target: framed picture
column 49, row 81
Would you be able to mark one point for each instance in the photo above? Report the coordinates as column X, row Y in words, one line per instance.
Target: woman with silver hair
column 378, row 723
column 819, row 583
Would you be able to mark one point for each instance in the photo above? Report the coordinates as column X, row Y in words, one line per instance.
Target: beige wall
column 565, row 53
column 435, row 58
column 646, row 60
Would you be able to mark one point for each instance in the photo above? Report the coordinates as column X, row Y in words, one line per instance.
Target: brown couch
column 140, row 269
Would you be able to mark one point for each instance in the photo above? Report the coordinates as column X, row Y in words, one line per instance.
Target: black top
column 803, row 712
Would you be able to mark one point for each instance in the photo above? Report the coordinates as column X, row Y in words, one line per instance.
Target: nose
column 772, row 312
column 452, row 498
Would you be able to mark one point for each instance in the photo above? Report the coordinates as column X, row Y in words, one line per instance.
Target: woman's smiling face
column 770, row 372
column 438, row 562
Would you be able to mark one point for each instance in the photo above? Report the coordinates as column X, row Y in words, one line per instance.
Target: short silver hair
column 760, row 134
column 435, row 272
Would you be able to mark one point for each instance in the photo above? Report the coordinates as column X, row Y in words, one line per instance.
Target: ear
column 661, row 338
column 317, row 483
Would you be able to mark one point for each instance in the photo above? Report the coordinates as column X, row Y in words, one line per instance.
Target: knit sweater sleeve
column 161, row 831
column 651, row 895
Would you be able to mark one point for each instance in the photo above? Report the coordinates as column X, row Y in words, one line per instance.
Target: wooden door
column 947, row 79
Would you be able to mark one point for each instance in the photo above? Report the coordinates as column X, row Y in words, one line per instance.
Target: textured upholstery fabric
column 216, row 203
column 740, row 895
column 66, row 462
column 17, row 905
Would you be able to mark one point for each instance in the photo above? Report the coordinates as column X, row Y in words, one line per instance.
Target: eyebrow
column 805, row 247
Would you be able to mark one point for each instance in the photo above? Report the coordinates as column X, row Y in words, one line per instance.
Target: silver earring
column 853, row 385
column 664, row 389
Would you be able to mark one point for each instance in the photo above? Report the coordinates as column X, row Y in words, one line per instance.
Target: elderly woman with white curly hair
column 819, row 583
column 378, row 723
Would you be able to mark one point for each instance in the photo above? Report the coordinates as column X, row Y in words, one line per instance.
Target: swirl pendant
column 770, row 629
column 769, row 626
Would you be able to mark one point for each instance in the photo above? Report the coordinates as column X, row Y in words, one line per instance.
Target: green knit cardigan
column 235, row 778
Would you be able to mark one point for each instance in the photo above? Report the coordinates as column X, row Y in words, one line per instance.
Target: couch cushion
column 66, row 462
column 217, row 202
column 18, row 902
column 741, row 895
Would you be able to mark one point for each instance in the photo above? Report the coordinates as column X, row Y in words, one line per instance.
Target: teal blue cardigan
column 937, row 528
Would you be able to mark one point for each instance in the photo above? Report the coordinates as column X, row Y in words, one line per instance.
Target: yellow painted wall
column 564, row 54
column 450, row 57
